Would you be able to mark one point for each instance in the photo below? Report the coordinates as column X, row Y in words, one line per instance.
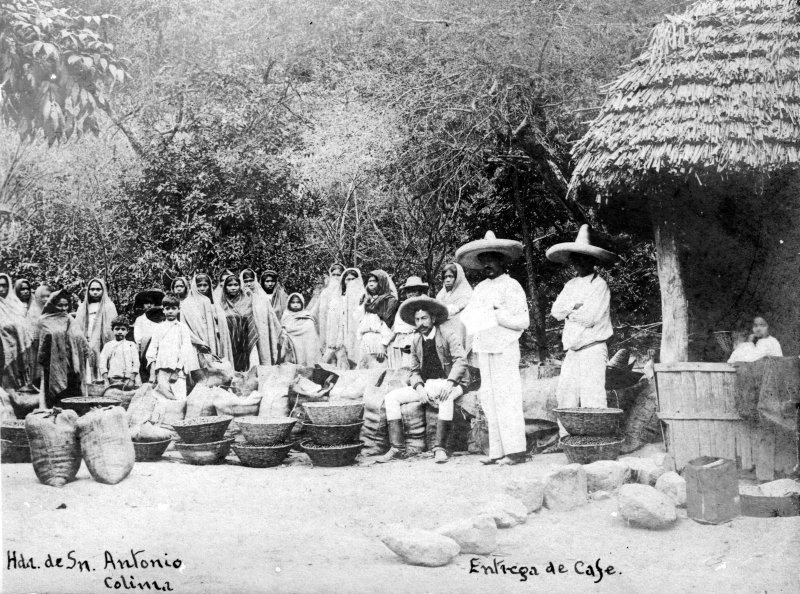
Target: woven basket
column 583, row 449
column 595, row 422
column 148, row 451
column 83, row 404
column 14, row 431
column 204, row 453
column 202, row 429
column 332, row 456
column 328, row 435
column 258, row 456
column 331, row 413
column 265, row 431
column 15, row 453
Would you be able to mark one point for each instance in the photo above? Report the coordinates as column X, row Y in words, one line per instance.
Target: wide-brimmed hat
column 155, row 295
column 415, row 282
column 467, row 255
column 155, row 314
column 621, row 360
column 582, row 245
column 437, row 309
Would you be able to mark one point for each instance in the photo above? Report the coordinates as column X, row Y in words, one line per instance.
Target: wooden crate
column 696, row 401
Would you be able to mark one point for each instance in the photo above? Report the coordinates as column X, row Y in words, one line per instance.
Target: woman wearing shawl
column 216, row 293
column 378, row 310
column 353, row 291
column 205, row 319
column 22, row 289
column 40, row 297
column 455, row 294
column 63, row 350
column 238, row 308
column 300, row 332
column 94, row 320
column 16, row 338
column 329, row 318
column 273, row 289
column 267, row 323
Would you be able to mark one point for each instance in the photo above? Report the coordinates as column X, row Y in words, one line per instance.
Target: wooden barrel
column 697, row 403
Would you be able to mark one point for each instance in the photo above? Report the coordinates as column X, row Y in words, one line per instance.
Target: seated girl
column 758, row 345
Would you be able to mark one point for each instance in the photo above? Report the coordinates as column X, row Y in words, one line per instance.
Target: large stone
column 606, row 475
column 420, row 547
column 643, row 470
column 566, row 488
column 780, row 488
column 645, row 507
column 664, row 461
column 674, row 486
column 507, row 511
column 600, row 496
column 529, row 491
column 476, row 535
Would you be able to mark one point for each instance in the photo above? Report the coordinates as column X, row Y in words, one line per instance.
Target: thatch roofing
column 716, row 92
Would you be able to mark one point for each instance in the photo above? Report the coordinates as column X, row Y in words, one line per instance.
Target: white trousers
column 583, row 379
column 501, row 400
column 434, row 388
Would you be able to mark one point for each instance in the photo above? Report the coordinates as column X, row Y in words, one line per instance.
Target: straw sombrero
column 467, row 255
column 415, row 282
column 411, row 306
column 156, row 295
column 621, row 360
column 582, row 245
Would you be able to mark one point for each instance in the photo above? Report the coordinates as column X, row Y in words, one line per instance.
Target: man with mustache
column 438, row 375
column 495, row 318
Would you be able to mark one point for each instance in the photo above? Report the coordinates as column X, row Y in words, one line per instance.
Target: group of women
column 245, row 319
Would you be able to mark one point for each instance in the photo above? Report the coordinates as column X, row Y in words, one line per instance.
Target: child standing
column 171, row 355
column 300, row 332
column 119, row 359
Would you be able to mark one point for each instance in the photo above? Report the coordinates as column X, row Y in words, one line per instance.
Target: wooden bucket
column 697, row 403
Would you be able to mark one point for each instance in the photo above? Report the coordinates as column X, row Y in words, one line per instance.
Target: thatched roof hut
column 696, row 142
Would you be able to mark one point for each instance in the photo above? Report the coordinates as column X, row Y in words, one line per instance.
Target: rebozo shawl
column 302, row 334
column 384, row 302
column 350, row 316
column 241, row 327
column 279, row 299
column 38, row 302
column 63, row 349
column 267, row 323
column 329, row 310
column 25, row 307
column 101, row 332
column 217, row 292
column 207, row 321
column 457, row 298
column 16, row 340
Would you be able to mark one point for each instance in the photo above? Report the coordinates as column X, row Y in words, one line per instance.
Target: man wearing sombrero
column 399, row 349
column 494, row 319
column 438, row 374
column 584, row 305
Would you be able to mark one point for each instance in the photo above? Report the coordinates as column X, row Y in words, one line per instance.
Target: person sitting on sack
column 584, row 305
column 438, row 375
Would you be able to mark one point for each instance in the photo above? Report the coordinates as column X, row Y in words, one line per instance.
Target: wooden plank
column 694, row 366
column 765, row 455
column 698, row 416
column 744, row 446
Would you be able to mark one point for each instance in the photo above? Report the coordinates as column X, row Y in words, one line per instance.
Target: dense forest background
column 293, row 133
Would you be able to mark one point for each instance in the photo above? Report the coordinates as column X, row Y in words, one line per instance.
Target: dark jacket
column 451, row 355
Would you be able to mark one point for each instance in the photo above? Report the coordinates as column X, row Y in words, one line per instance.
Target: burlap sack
column 352, row 385
column 55, row 446
column 106, row 444
column 200, row 403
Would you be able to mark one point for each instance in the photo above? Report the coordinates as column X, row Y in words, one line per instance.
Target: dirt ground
column 297, row 528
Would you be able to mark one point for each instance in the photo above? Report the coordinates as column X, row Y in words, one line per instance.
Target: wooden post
column 674, row 305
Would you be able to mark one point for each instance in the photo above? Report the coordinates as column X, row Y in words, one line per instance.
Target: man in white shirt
column 584, row 305
column 495, row 318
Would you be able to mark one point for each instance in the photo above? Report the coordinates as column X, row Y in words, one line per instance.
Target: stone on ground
column 645, row 507
column 643, row 470
column 780, row 488
column 507, row 511
column 674, row 486
column 476, row 535
column 606, row 475
column 566, row 488
column 420, row 547
column 529, row 491
column 600, row 496
column 664, row 461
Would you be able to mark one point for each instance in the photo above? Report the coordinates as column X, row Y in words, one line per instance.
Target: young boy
column 171, row 355
column 119, row 359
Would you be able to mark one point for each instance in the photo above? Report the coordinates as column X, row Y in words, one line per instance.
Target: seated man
column 438, row 374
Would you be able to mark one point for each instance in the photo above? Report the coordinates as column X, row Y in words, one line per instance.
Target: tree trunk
column 674, row 305
column 537, row 311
